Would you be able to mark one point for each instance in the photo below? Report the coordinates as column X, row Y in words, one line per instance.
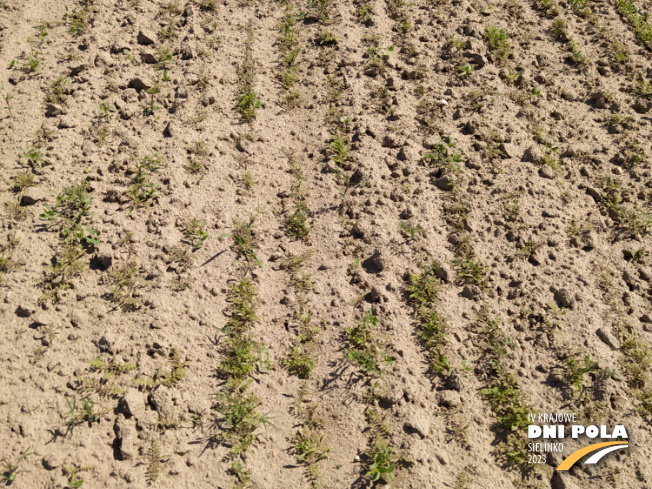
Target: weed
column 240, row 419
column 248, row 102
column 576, row 369
column 106, row 108
column 383, row 462
column 576, row 55
column 339, row 149
column 78, row 21
column 444, row 156
column 7, row 97
column 472, row 271
column 34, row 158
column 497, row 42
column 364, row 13
column 10, row 469
column 466, row 71
column 68, row 213
column 195, row 232
column 245, row 239
column 79, row 415
column 637, row 19
column 325, row 38
column 363, row 349
column 59, row 90
column 142, row 190
column 23, row 181
column 559, row 29
column 126, row 281
column 154, row 460
column 412, row 232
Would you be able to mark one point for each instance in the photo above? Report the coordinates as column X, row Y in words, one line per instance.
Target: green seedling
column 245, row 239
column 78, row 415
column 248, row 103
column 194, row 231
column 466, row 71
column 383, row 462
column 411, row 231
column 497, row 42
column 575, row 370
column 106, row 108
column 7, row 97
column 10, row 469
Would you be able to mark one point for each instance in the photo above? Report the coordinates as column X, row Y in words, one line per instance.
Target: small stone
column 148, row 58
column 547, row 172
column 103, row 59
column 479, row 60
column 132, row 403
column 390, row 141
column 562, row 481
column 608, row 338
column 161, row 399
column 52, row 461
column 24, row 311
column 53, row 110
column 471, row 292
column 533, row 154
column 104, row 255
column 379, row 259
column 444, row 272
column 448, row 398
column 170, row 130
column 419, row 424
column 146, row 37
column 32, row 195
column 106, row 343
column 67, row 122
column 564, row 298
column 408, row 153
column 139, row 84
column 445, row 182
column 125, row 433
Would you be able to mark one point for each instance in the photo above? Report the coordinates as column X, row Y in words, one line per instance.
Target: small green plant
column 466, row 71
column 126, row 282
column 23, row 180
column 106, row 108
column 248, row 103
column 154, row 461
column 363, row 348
column 34, row 158
column 365, row 12
column 383, row 462
column 195, row 232
column 245, row 239
column 78, row 21
column 10, row 469
column 576, row 369
column 240, row 419
column 7, row 97
column 59, row 90
column 497, row 42
column 472, row 270
column 638, row 19
column 142, row 190
column 576, row 55
column 71, row 208
column 339, row 149
column 78, row 415
column 411, row 231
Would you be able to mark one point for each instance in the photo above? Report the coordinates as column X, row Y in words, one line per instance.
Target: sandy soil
column 273, row 246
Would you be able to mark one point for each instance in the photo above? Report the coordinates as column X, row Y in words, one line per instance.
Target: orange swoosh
column 575, row 456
